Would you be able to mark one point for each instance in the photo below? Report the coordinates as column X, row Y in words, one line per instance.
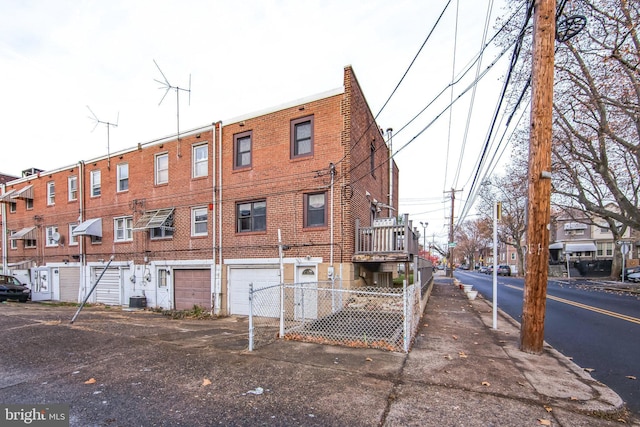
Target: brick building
column 193, row 220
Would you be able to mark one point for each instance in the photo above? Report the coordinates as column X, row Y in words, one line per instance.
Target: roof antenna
column 109, row 124
column 166, row 85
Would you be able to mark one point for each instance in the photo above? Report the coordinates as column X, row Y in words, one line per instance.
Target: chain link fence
column 324, row 313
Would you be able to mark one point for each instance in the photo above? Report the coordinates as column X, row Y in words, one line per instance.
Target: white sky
column 57, row 57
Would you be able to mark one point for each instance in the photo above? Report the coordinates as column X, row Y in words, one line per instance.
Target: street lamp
column 424, row 234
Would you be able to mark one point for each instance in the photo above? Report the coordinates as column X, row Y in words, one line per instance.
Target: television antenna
column 109, row 124
column 166, row 85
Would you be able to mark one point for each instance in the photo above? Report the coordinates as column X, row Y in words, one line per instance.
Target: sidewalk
column 462, row 372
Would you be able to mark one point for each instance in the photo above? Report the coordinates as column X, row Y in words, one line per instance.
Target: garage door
column 192, row 287
column 69, row 282
column 108, row 289
column 239, row 280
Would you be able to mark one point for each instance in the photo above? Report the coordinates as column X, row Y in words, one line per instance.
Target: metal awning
column 160, row 218
column 557, row 245
column 6, row 197
column 28, row 233
column 90, row 227
column 580, row 247
column 26, row 193
column 575, row 226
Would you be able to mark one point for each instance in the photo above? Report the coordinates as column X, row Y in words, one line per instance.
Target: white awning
column 28, row 233
column 90, row 227
column 160, row 218
column 6, row 197
column 575, row 226
column 25, row 193
column 557, row 245
column 580, row 247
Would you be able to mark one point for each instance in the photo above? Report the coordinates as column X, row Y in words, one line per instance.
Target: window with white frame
column 123, row 177
column 513, row 256
column 162, row 168
column 13, row 244
column 163, row 277
column 96, row 240
column 52, row 236
column 199, row 221
column 73, row 240
column 29, row 243
column 123, row 229
column 72, row 186
column 51, row 193
column 28, row 203
column 95, row 183
column 13, row 207
column 200, row 157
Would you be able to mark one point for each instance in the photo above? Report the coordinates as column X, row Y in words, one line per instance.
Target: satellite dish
column 55, row 237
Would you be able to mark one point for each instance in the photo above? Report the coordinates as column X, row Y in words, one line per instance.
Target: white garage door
column 108, row 289
column 69, row 282
column 239, row 280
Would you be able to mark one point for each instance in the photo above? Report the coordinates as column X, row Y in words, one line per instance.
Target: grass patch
column 196, row 312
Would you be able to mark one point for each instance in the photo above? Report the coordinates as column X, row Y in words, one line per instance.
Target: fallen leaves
column 486, row 383
column 589, row 369
column 368, row 359
column 462, row 355
column 206, row 382
column 90, row 381
column 544, row 422
column 548, row 408
column 631, row 377
column 455, row 337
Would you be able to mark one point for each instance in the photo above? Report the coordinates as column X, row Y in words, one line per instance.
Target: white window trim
column 127, row 232
column 50, row 230
column 193, row 221
column 119, row 178
column 157, row 170
column 73, row 240
column 93, row 175
column 51, row 193
column 195, row 162
column 73, row 179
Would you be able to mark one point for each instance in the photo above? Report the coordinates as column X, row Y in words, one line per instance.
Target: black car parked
column 12, row 289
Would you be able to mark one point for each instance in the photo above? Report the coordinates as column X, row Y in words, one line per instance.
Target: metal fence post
column 251, row 316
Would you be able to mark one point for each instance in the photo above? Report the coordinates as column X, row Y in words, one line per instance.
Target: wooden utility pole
column 539, row 206
column 451, row 243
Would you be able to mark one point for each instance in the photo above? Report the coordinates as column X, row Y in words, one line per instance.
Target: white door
column 69, row 282
column 261, row 277
column 40, row 284
column 306, row 293
column 163, row 289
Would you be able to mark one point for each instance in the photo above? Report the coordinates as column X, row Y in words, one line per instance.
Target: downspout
column 219, row 212
column 82, row 260
column 332, row 170
column 390, row 139
column 3, row 212
column 217, row 268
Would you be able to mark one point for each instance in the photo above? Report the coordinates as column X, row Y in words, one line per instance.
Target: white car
column 634, row 277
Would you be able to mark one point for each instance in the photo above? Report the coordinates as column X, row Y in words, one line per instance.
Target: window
column 251, row 216
column 162, row 168
column 28, row 203
column 12, row 207
column 95, row 183
column 315, row 214
column 29, row 243
column 372, row 159
column 13, row 244
column 604, row 249
column 73, row 240
column 51, row 193
column 52, row 236
column 242, row 150
column 95, row 240
column 302, row 137
column 123, row 229
column 163, row 276
column 200, row 158
column 72, row 186
column 163, row 232
column 513, row 256
column 123, row 177
column 199, row 218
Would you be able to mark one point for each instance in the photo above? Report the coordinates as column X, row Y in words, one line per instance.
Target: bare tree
column 472, row 237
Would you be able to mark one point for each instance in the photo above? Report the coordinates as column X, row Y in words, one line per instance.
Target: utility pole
column 451, row 244
column 539, row 206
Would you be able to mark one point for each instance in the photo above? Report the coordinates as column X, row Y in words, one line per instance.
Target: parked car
column 12, row 289
column 504, row 270
column 628, row 272
column 489, row 269
column 633, row 277
column 483, row 269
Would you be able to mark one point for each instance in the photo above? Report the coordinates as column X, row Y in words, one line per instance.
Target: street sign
column 452, row 244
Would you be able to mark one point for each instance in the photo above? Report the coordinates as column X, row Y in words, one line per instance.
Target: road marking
column 587, row 307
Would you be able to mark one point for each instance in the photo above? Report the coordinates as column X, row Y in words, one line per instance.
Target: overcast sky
column 59, row 56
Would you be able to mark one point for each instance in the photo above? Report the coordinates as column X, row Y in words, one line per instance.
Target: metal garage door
column 192, row 287
column 108, row 289
column 69, row 282
column 239, row 279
